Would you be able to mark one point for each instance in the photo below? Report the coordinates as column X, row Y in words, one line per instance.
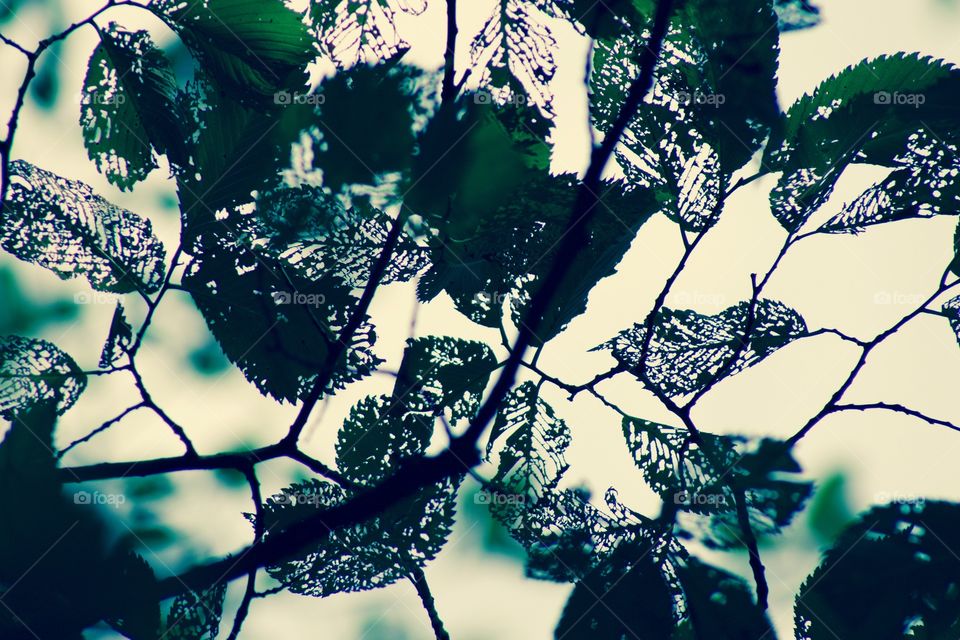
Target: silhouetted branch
column 250, row 590
column 103, row 427
column 750, row 540
column 448, row 90
column 419, row 581
column 896, row 408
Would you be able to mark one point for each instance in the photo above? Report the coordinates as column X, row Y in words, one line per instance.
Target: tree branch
column 419, row 581
column 896, row 408
column 448, row 91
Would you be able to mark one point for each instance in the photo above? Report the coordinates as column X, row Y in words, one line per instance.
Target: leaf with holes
column 196, row 616
column 688, row 350
column 893, row 574
column 34, row 371
column 63, row 226
column 128, row 109
column 438, row 372
column 119, row 339
column 361, row 31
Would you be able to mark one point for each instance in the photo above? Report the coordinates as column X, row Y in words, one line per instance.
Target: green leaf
column 624, row 597
column 868, row 113
column 251, row 48
column 893, row 574
column 438, row 372
column 35, row 371
column 361, row 31
column 688, row 350
column 793, row 15
column 119, row 339
column 62, row 225
column 128, row 109
column 196, row 616
column 720, row 605
column 369, row 555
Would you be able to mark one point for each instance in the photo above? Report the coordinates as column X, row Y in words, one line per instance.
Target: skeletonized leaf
column 892, row 572
column 867, row 113
column 128, row 108
column 369, row 555
column 196, row 616
column 118, row 340
column 361, row 31
column 64, row 226
column 688, row 349
column 34, row 371
column 438, row 371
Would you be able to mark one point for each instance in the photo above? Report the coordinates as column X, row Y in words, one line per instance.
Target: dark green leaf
column 128, row 108
column 64, row 226
column 119, row 339
column 688, row 350
column 793, row 15
column 894, row 574
column 251, row 48
column 196, row 616
column 720, row 605
column 438, row 372
column 624, row 597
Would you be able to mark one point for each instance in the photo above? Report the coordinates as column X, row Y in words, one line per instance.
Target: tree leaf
column 271, row 320
column 720, row 605
column 63, row 226
column 891, row 573
column 35, row 371
column 369, row 555
column 377, row 436
column 793, row 15
column 361, row 31
column 689, row 349
column 515, row 48
column 128, row 108
column 625, row 597
column 196, row 616
column 439, row 372
column 868, row 113
column 252, row 48
column 119, row 339
column 712, row 104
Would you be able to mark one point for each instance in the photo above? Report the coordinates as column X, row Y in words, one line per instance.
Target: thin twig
column 419, row 581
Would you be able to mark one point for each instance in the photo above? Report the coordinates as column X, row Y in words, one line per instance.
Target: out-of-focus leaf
column 893, row 574
column 128, row 108
column 720, row 605
column 64, row 226
column 793, row 15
